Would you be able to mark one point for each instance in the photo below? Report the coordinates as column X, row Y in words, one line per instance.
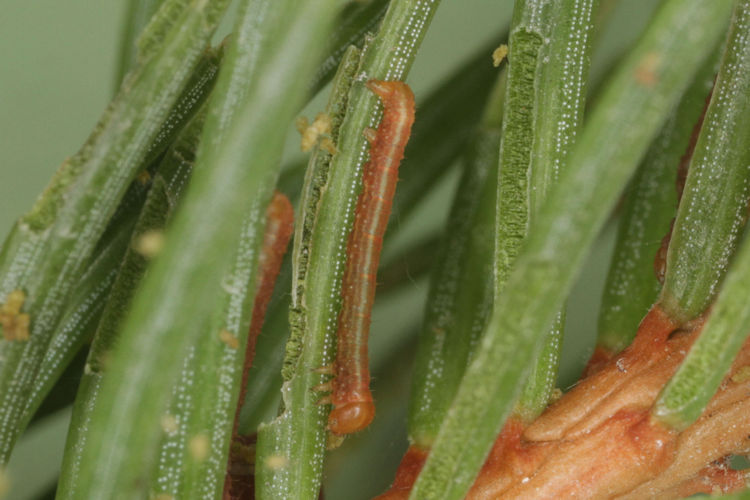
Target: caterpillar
column 353, row 407
column 279, row 225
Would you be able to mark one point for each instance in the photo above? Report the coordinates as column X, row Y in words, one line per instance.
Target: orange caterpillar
column 238, row 482
column 353, row 408
column 279, row 227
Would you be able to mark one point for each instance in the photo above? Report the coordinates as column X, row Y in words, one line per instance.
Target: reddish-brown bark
column 510, row 461
column 599, row 440
column 649, row 346
column 598, row 360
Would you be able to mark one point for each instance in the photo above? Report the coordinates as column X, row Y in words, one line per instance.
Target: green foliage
column 713, row 208
column 157, row 397
column 139, row 12
column 50, row 246
column 559, row 238
column 708, row 224
column 649, row 207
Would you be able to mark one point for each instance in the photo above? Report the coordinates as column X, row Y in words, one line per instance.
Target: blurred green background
column 57, row 69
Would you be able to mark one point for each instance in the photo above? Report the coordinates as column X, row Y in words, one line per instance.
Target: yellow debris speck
column 15, row 301
column 150, row 243
column 229, row 339
column 275, row 462
column 334, row 441
column 327, row 145
column 499, row 54
column 556, row 394
column 742, row 375
column 314, row 132
column 169, row 423
column 143, row 177
column 646, row 73
column 199, row 446
column 14, row 323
